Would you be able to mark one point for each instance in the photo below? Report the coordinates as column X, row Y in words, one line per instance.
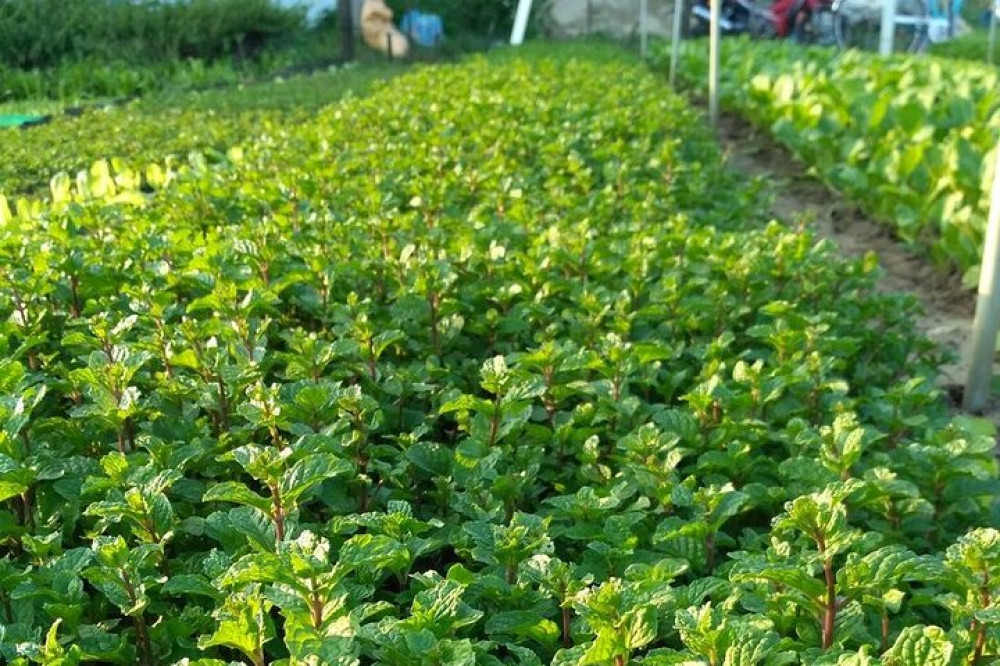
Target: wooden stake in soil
column 984, row 327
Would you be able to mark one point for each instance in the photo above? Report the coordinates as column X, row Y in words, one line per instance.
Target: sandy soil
column 948, row 308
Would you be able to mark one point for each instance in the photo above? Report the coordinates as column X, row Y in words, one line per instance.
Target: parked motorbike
column 808, row 21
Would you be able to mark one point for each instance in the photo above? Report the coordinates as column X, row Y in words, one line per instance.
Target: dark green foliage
column 46, row 33
column 484, row 19
column 497, row 366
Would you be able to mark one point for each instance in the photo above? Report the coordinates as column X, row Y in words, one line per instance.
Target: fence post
column 993, row 32
column 520, row 22
column 675, row 40
column 888, row 28
column 643, row 28
column 713, row 62
column 984, row 327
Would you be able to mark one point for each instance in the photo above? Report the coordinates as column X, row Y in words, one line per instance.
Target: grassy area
column 303, row 91
column 41, row 107
column 972, row 46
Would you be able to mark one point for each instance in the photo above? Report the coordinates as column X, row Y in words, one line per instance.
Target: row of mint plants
column 911, row 139
column 497, row 366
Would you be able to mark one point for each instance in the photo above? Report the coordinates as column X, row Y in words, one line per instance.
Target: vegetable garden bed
column 916, row 159
column 497, row 366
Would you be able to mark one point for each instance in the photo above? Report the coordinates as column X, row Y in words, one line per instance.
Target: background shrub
column 46, row 33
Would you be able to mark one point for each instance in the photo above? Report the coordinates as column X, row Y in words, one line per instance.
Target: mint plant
column 498, row 365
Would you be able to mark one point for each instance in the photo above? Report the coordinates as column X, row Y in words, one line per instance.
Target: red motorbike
column 807, row 21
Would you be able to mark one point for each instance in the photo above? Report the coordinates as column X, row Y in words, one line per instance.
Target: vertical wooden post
column 984, row 327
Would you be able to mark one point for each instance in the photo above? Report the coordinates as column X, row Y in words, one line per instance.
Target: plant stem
column 495, row 421
column 372, row 369
column 567, row 638
column 129, row 429
column 710, row 551
column 884, row 644
column 432, row 302
column 984, row 598
column 8, row 610
column 145, row 647
column 223, row 403
column 277, row 513
column 75, row 308
column 27, row 497
column 980, row 642
column 830, row 605
column 620, row 660
column 316, row 608
column 258, row 656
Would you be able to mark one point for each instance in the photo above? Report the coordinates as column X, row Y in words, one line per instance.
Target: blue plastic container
column 424, row 29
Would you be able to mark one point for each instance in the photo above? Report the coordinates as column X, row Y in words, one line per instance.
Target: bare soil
column 948, row 308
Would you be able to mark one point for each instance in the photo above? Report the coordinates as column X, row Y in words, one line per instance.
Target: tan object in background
column 378, row 30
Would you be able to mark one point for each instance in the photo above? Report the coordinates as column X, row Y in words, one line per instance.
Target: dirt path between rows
column 948, row 308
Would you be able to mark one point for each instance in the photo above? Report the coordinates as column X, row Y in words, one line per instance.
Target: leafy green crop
column 920, row 160
column 497, row 366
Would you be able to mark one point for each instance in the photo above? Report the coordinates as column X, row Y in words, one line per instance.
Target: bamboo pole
column 675, row 40
column 520, row 22
column 713, row 62
column 984, row 327
column 888, row 28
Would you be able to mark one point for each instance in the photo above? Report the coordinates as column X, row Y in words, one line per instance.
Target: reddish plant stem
column 830, row 603
column 567, row 638
column 277, row 513
column 316, row 608
column 145, row 647
column 984, row 598
column 74, row 286
column 128, row 427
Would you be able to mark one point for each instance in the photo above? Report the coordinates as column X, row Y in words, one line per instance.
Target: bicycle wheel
column 858, row 25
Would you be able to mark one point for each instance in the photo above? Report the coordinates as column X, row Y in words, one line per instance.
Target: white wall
column 619, row 18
